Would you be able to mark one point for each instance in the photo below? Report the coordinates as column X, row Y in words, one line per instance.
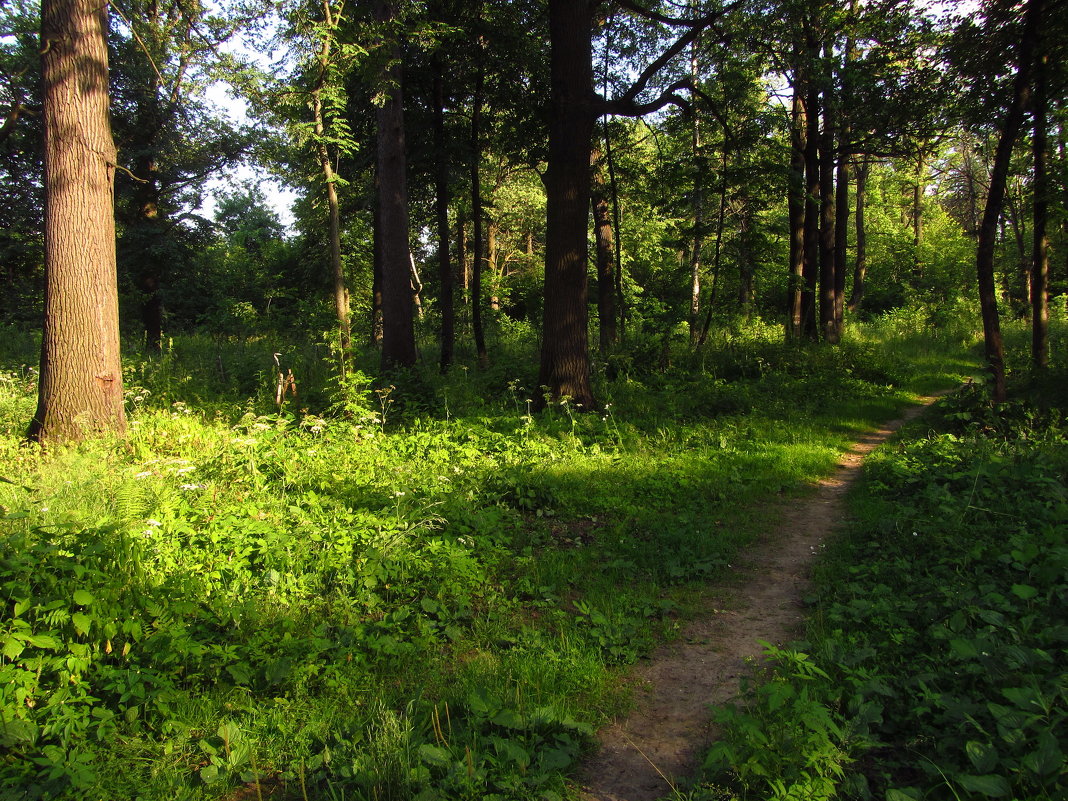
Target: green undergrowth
column 935, row 666
column 407, row 588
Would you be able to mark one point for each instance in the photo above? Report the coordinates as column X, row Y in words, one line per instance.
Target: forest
column 385, row 385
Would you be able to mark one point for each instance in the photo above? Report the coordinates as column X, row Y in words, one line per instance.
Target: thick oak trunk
column 80, row 388
column 564, row 353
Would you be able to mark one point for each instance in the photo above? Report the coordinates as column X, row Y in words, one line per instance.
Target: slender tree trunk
column 492, row 264
column 80, row 389
column 617, row 226
column 918, row 186
column 564, row 355
column 337, row 271
column 860, row 269
column 1040, row 255
column 698, row 204
column 441, row 208
column 995, row 349
column 606, row 255
column 477, row 243
column 398, row 331
column 796, row 200
column 812, row 191
column 827, row 237
column 841, row 240
column 376, row 269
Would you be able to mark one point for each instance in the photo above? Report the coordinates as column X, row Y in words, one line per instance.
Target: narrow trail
column 665, row 737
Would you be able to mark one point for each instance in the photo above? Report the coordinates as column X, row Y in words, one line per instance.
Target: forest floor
column 662, row 741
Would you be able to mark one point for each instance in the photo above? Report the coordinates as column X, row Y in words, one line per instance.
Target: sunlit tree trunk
column 478, row 244
column 860, row 268
column 80, row 390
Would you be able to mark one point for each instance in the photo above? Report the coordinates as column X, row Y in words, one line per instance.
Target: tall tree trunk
column 827, row 237
column 493, row 267
column 337, row 270
column 984, row 259
column 1040, row 254
column 796, row 201
column 918, row 186
column 565, row 368
column 617, row 226
column 477, row 241
column 841, row 240
column 860, row 268
column 606, row 255
column 698, row 203
column 398, row 331
column 376, row 268
column 811, row 269
column 441, row 207
column 80, row 389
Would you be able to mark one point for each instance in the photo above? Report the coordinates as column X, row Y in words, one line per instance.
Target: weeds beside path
column 661, row 741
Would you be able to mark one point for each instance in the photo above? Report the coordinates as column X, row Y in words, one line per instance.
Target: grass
column 406, row 588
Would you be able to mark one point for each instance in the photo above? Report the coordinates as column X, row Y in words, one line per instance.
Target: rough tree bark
column 478, row 244
column 80, row 389
column 398, row 330
column 565, row 370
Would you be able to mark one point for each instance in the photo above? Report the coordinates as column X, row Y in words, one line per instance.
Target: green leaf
column 990, row 785
column 963, row 649
column 12, row 648
column 1024, row 591
column 209, row 774
column 434, row 755
column 984, row 757
column 81, row 622
column 83, row 597
column 903, row 794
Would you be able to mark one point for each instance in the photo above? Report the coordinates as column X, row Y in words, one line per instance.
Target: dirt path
column 670, row 729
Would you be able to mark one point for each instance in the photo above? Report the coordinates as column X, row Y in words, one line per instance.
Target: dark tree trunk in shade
column 1040, row 250
column 984, row 259
column 828, row 330
column 918, row 186
column 564, row 351
column 398, row 330
column 376, row 272
column 811, row 269
column 841, row 240
column 606, row 259
column 617, row 226
column 796, row 210
column 80, row 388
column 860, row 268
column 441, row 208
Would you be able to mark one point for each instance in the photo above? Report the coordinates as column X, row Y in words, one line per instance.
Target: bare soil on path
column 664, row 738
